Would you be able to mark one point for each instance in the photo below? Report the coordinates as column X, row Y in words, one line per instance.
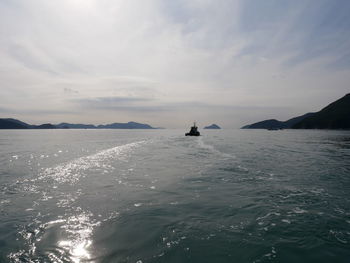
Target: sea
column 157, row 196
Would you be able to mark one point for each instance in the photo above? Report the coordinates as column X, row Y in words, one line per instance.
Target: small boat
column 194, row 131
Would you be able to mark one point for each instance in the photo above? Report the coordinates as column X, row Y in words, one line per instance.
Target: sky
column 168, row 63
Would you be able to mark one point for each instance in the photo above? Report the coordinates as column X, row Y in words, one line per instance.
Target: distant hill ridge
column 13, row 124
column 129, row 125
column 335, row 116
column 65, row 125
column 9, row 123
column 276, row 124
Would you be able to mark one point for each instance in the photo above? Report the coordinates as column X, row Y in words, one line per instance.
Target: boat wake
column 72, row 171
column 74, row 223
column 213, row 150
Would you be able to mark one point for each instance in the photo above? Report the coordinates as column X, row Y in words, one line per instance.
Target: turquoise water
column 158, row 196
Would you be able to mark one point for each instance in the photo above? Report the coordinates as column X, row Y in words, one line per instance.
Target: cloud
column 5, row 110
column 109, row 103
column 70, row 91
column 167, row 59
column 142, row 105
column 34, row 111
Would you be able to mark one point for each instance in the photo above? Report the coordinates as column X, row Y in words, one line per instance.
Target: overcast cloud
column 168, row 63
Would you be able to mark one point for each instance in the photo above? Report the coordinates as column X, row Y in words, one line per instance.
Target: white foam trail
column 211, row 148
column 78, row 225
column 71, row 172
column 297, row 210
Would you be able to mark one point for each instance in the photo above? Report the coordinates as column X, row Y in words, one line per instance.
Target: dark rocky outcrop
column 213, row 126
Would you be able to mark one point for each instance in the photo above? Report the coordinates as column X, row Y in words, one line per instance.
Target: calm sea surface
column 158, row 196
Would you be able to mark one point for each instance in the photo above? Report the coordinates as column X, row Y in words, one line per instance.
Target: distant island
column 213, row 126
column 335, row 116
column 9, row 123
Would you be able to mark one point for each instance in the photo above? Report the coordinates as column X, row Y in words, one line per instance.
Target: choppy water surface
column 158, row 196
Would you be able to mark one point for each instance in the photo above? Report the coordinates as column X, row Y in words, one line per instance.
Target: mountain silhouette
column 9, row 123
column 335, row 116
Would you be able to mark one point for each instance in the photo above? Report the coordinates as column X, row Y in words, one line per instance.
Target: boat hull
column 192, row 134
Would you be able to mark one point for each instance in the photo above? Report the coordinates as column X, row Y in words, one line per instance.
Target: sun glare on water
column 77, row 244
column 78, row 250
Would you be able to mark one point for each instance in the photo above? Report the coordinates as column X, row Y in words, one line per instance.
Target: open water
column 158, row 196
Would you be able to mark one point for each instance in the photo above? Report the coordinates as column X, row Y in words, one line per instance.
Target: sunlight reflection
column 77, row 244
column 78, row 250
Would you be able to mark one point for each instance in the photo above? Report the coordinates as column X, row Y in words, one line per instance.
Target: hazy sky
column 169, row 62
